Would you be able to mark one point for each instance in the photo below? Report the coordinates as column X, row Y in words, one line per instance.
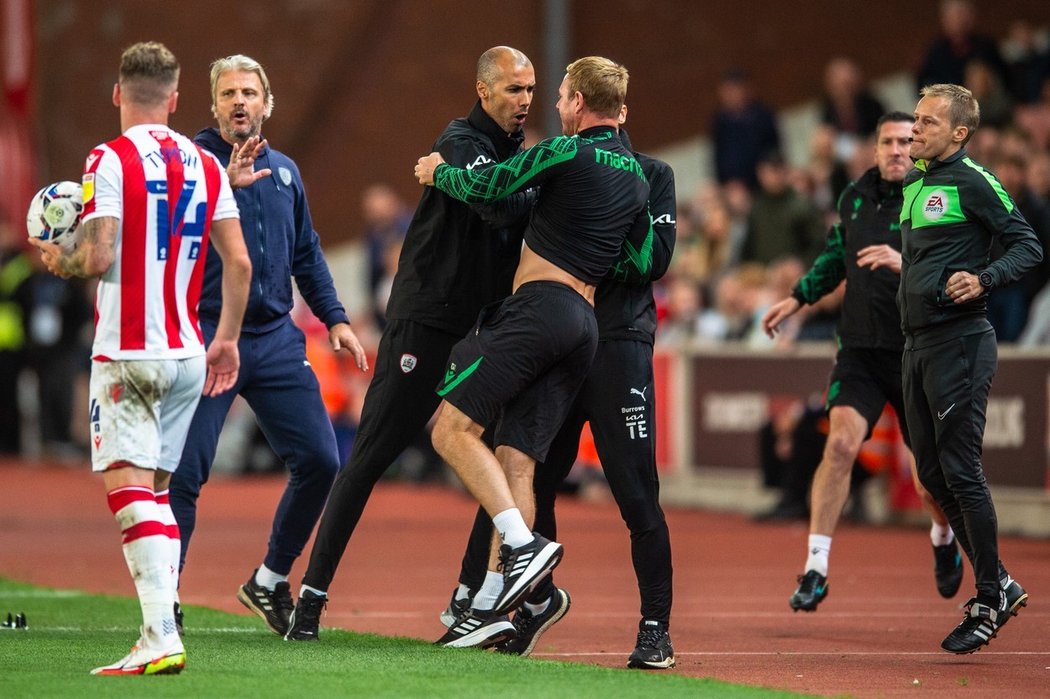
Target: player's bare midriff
column 533, row 268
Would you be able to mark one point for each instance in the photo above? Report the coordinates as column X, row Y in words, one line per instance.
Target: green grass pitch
column 234, row 656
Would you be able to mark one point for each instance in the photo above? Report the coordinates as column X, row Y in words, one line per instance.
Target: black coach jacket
column 953, row 209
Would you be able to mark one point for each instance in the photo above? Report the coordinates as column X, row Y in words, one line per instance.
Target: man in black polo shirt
column 521, row 367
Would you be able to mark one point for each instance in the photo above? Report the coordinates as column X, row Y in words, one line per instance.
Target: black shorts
column 522, row 365
column 865, row 380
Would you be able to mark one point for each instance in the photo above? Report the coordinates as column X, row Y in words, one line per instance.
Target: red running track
column 877, row 633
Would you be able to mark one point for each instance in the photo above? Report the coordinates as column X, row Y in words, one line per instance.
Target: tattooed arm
column 93, row 255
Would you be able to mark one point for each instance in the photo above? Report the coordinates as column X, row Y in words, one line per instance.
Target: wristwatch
column 985, row 278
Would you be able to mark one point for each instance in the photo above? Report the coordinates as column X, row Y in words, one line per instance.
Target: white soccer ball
column 54, row 213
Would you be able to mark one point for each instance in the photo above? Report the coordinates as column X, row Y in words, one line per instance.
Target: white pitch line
column 678, row 615
column 196, row 630
column 888, row 654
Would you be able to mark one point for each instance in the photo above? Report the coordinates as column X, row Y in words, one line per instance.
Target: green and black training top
column 869, row 214
column 591, row 190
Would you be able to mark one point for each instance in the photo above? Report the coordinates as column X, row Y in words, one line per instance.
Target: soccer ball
column 54, row 213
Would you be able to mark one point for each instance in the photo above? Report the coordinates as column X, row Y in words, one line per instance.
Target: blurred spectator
column 790, row 447
column 1035, row 117
column 720, row 236
column 743, row 130
column 58, row 314
column 1037, row 329
column 1039, row 174
column 1013, row 141
column 987, row 86
column 782, row 275
column 827, row 173
column 743, row 296
column 381, row 291
column 863, row 160
column 1008, row 306
column 946, row 58
column 386, row 220
column 686, row 260
column 847, row 106
column 15, row 268
column 338, row 382
column 1026, row 53
column 681, row 324
column 985, row 145
column 782, row 223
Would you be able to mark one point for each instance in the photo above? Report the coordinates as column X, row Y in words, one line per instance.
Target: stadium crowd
column 745, row 236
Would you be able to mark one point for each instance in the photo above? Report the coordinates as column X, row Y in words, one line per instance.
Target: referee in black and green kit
column 953, row 210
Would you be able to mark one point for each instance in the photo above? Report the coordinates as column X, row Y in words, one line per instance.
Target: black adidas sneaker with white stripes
column 273, row 606
column 477, row 629
column 455, row 609
column 980, row 625
column 523, row 568
column 528, row 627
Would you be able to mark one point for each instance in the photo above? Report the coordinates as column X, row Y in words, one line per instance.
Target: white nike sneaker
column 147, row 661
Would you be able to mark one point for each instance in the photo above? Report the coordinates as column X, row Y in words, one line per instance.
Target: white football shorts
column 141, row 410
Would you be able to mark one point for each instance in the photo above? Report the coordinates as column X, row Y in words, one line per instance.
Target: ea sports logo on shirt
column 936, row 205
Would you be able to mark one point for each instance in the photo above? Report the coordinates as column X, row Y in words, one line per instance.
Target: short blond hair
column 963, row 109
column 603, row 84
column 149, row 73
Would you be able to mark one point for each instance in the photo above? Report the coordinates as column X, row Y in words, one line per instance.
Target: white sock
column 486, row 597
column 538, row 608
column 819, row 549
column 267, row 578
column 147, row 551
column 167, row 518
column 512, row 528
column 941, row 535
column 313, row 590
column 462, row 592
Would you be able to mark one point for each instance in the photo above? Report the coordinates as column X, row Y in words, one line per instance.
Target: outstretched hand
column 778, row 313
column 241, row 170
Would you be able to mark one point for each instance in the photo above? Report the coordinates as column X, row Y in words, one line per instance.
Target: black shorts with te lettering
column 865, row 380
column 519, row 369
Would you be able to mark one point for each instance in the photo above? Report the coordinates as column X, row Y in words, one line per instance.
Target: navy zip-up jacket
column 282, row 244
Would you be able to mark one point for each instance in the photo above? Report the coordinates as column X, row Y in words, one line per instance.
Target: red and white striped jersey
column 166, row 192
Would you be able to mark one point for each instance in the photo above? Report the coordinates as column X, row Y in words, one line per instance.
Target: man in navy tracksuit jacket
column 275, row 378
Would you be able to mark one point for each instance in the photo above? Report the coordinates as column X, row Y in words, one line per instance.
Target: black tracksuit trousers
column 400, row 400
column 617, row 399
column 946, row 395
